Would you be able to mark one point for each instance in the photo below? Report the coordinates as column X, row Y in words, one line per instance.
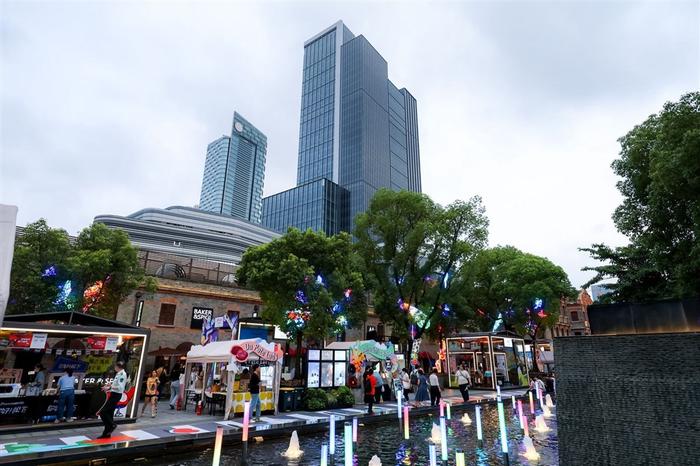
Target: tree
column 411, row 249
column 521, row 289
column 40, row 264
column 93, row 274
column 309, row 282
column 660, row 213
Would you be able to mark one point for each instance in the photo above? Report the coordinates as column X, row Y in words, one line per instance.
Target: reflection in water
column 385, row 439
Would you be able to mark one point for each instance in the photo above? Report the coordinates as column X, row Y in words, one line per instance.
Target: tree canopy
column 412, row 248
column 310, row 283
column 660, row 213
column 523, row 289
column 93, row 274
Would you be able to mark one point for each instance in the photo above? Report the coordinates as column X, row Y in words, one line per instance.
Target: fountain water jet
column 375, row 461
column 540, row 425
column 293, row 452
column 435, row 435
column 466, row 420
column 548, row 401
column 530, row 452
column 546, row 412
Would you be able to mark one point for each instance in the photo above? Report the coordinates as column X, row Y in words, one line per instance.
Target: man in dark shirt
column 254, row 388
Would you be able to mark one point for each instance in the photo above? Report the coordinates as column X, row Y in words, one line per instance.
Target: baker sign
column 243, row 350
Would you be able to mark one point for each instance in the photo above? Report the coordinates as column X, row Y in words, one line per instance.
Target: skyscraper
column 234, row 172
column 358, row 132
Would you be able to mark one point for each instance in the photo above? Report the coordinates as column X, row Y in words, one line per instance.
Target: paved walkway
column 171, row 425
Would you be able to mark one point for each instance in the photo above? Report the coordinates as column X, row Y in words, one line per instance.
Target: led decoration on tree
column 446, row 310
column 49, row 272
column 65, row 289
column 297, row 319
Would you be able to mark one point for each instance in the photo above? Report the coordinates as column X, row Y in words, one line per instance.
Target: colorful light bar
column 520, row 413
column 448, row 408
column 348, row 444
column 405, row 423
column 433, row 455
column 354, row 430
column 443, row 439
column 479, row 434
column 246, row 420
column 217, row 446
column 460, row 458
column 502, row 425
column 532, row 405
column 331, row 437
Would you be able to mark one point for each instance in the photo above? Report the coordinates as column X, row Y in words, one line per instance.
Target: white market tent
column 235, row 353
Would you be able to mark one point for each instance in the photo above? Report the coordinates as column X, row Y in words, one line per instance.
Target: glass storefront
column 490, row 359
column 34, row 356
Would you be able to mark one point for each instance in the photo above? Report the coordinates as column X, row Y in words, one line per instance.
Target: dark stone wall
column 628, row 399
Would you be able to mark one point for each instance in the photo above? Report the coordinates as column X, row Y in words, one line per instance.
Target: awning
column 239, row 350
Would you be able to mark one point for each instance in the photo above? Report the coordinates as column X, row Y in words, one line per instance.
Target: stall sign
column 111, row 343
column 62, row 363
column 199, row 314
column 20, row 340
column 13, row 408
column 38, row 341
column 243, row 350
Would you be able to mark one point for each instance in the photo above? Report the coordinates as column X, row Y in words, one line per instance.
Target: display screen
column 314, row 375
column 326, row 374
column 339, row 374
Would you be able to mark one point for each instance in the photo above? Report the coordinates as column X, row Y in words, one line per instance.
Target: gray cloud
column 108, row 107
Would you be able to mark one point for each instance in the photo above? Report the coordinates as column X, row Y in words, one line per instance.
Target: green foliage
column 503, row 279
column 291, row 263
column 409, row 245
column 344, row 397
column 332, row 399
column 315, row 399
column 98, row 254
column 660, row 214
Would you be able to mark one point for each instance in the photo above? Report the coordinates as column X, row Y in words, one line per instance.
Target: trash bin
column 288, row 399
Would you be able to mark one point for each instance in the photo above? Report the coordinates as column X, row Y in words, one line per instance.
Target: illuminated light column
column 324, row 455
column 405, row 423
column 399, row 399
column 502, row 426
column 512, row 400
column 348, row 444
column 532, row 405
column 354, row 430
column 217, row 446
column 331, row 436
column 244, row 436
column 448, row 407
column 433, row 455
column 442, row 408
column 479, row 434
column 520, row 413
column 460, row 458
column 443, row 439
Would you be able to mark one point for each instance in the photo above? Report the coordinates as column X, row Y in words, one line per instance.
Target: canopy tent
column 236, row 353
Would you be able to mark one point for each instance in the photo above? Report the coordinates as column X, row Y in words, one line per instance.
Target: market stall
column 222, row 365
column 491, row 358
column 36, row 350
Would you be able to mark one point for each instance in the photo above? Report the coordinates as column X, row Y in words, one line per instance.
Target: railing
column 185, row 268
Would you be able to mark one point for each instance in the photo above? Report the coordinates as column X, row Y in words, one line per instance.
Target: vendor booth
column 491, row 358
column 217, row 371
column 56, row 341
column 329, row 364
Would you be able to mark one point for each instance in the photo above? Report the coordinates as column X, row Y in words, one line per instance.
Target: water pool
column 385, row 439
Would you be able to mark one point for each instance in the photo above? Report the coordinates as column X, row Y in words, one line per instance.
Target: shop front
column 37, row 349
column 491, row 358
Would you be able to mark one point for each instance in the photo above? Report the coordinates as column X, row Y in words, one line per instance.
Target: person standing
column 434, row 383
column 34, row 393
column 254, row 389
column 405, row 383
column 422, row 390
column 66, row 397
column 151, row 397
column 114, row 394
column 174, row 385
column 378, row 386
column 370, row 384
column 163, row 379
column 463, row 380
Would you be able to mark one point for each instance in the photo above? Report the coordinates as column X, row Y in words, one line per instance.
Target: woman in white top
column 434, row 383
column 463, row 380
column 405, row 383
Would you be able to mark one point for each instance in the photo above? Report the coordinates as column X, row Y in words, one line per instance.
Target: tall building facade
column 234, row 172
column 358, row 133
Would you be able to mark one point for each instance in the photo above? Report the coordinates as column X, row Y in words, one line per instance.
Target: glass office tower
column 234, row 173
column 357, row 131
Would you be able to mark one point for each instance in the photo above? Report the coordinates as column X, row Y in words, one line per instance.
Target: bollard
column 348, row 444
column 217, row 446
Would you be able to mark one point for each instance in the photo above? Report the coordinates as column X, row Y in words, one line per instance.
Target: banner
column 20, row 340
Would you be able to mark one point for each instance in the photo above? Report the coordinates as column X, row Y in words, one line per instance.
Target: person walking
column 463, row 380
column 151, row 396
column 254, row 389
column 378, row 386
column 434, row 383
column 114, row 394
column 422, row 390
column 174, row 385
column 369, row 385
column 162, row 379
column 66, row 397
column 405, row 383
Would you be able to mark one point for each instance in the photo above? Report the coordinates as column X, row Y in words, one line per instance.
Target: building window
column 574, row 316
column 167, row 314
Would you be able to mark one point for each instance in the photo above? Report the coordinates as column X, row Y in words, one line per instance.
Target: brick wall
column 628, row 399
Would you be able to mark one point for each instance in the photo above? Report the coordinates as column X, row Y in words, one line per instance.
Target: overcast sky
column 107, row 107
